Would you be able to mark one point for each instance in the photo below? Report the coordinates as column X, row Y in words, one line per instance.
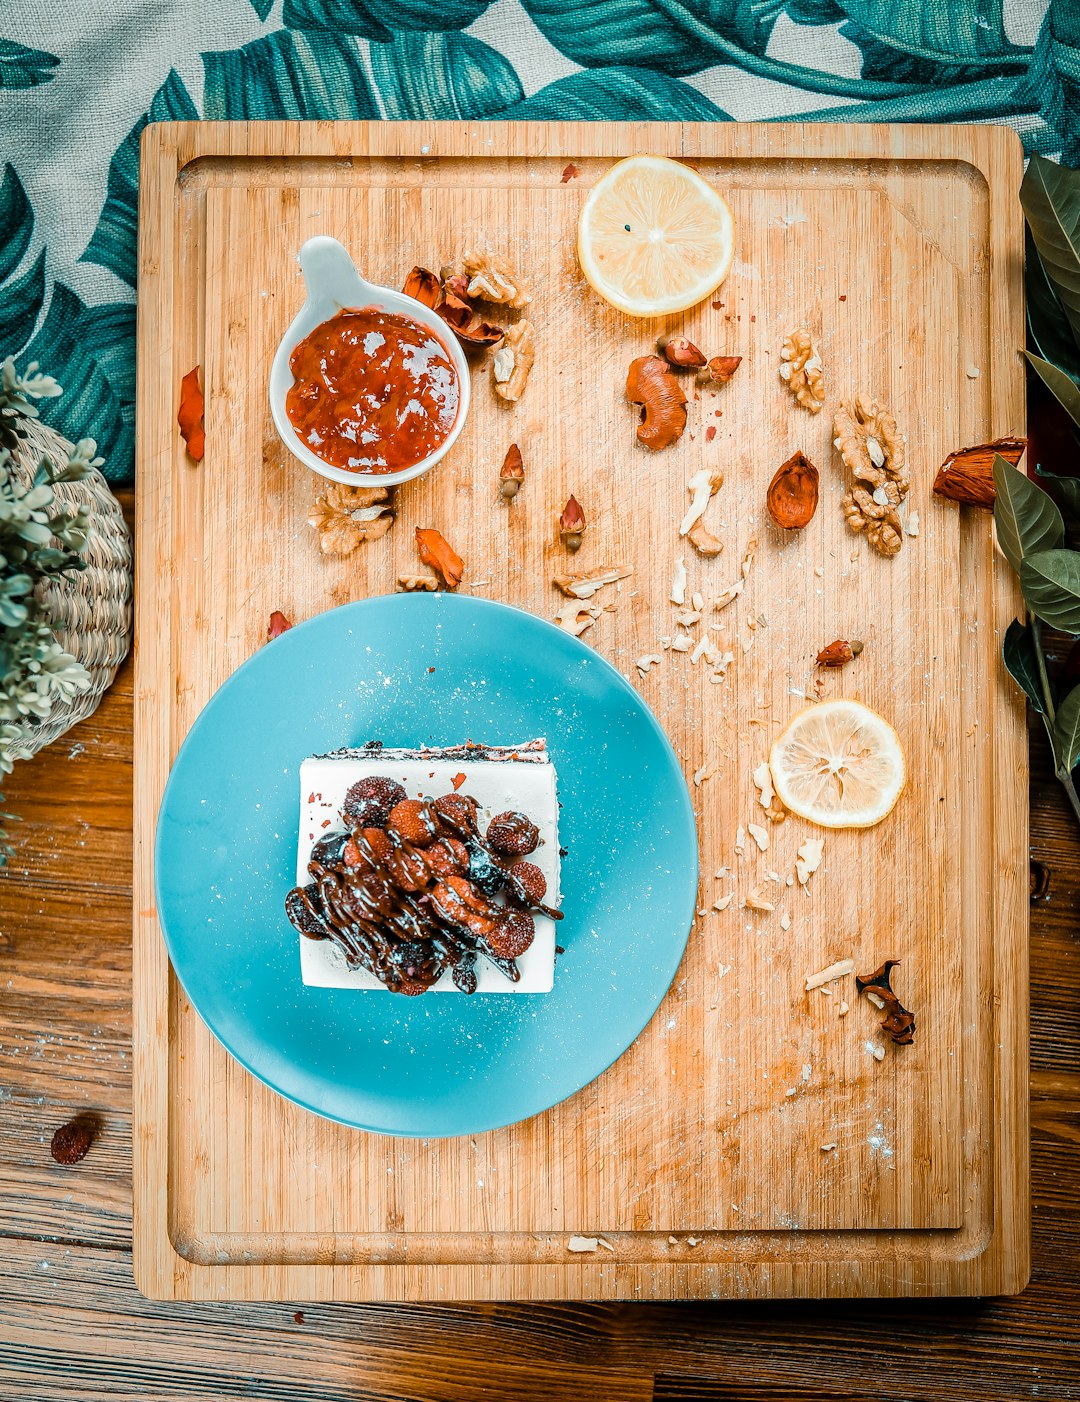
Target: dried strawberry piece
column 413, row 820
column 71, row 1142
column 447, row 857
column 512, row 835
column 526, row 881
column 457, row 811
column 369, row 801
column 512, row 935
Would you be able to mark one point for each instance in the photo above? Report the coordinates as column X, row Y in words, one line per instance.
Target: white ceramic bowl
column 333, row 283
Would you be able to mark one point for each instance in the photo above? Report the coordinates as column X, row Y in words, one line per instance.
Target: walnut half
column 492, row 279
column 874, row 452
column 802, row 372
column 344, row 517
column 512, row 362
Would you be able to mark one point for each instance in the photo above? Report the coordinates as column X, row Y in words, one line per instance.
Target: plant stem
column 1063, row 773
column 1044, row 676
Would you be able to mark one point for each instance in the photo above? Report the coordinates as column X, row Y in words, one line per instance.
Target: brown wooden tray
column 902, row 249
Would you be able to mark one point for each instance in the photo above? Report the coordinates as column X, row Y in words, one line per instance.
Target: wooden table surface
column 73, row 1326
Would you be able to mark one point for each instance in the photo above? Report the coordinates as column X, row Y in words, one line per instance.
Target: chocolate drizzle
column 409, row 910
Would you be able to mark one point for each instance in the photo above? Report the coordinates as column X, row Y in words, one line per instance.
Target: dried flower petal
column 436, row 552
column 278, row 625
column 190, row 415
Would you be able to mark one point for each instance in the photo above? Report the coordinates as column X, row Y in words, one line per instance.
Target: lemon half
column 654, row 237
column 838, row 764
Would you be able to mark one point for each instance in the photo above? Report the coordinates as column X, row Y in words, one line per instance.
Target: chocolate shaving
column 898, row 1022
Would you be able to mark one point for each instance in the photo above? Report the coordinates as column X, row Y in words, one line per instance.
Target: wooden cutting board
column 698, row 1157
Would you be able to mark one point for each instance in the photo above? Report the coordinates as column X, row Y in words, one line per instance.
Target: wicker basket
column 90, row 611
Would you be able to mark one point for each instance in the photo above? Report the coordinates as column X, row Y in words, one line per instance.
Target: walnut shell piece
column 792, row 497
column 967, row 476
column 898, row 1022
column 513, row 360
column 418, row 583
column 703, row 540
column 424, row 287
column 718, row 370
column 345, row 517
column 512, row 473
column 466, row 323
column 839, row 653
column 572, row 525
column 492, row 279
column 651, row 383
column 681, row 352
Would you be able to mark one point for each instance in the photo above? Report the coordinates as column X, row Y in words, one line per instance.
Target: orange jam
column 373, row 391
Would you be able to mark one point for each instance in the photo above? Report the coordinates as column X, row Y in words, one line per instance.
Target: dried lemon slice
column 839, row 764
column 654, row 237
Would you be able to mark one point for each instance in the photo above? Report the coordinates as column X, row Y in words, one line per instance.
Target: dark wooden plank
column 72, row 1324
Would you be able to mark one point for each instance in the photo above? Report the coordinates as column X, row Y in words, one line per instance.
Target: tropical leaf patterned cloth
column 79, row 83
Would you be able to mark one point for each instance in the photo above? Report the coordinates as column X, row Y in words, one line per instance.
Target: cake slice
column 428, row 869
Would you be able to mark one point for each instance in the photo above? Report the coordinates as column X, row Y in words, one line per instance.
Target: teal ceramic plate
column 425, row 669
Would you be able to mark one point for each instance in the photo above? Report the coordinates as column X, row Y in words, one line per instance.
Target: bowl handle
column 330, row 274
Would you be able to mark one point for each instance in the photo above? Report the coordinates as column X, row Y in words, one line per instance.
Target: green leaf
column 1051, row 85
column 1050, row 195
column 16, row 222
column 263, row 7
column 444, row 76
column 677, row 37
column 619, row 95
column 1069, row 487
column 1018, row 654
column 21, row 300
column 1067, row 730
column 1064, row 389
column 1050, row 581
column 1048, row 326
column 21, row 67
column 1026, row 518
column 112, row 244
column 377, row 19
column 989, row 99
column 91, row 406
column 967, row 32
column 289, row 76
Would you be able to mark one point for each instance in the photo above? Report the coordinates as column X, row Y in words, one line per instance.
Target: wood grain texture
column 692, row 1132
column 74, row 1327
